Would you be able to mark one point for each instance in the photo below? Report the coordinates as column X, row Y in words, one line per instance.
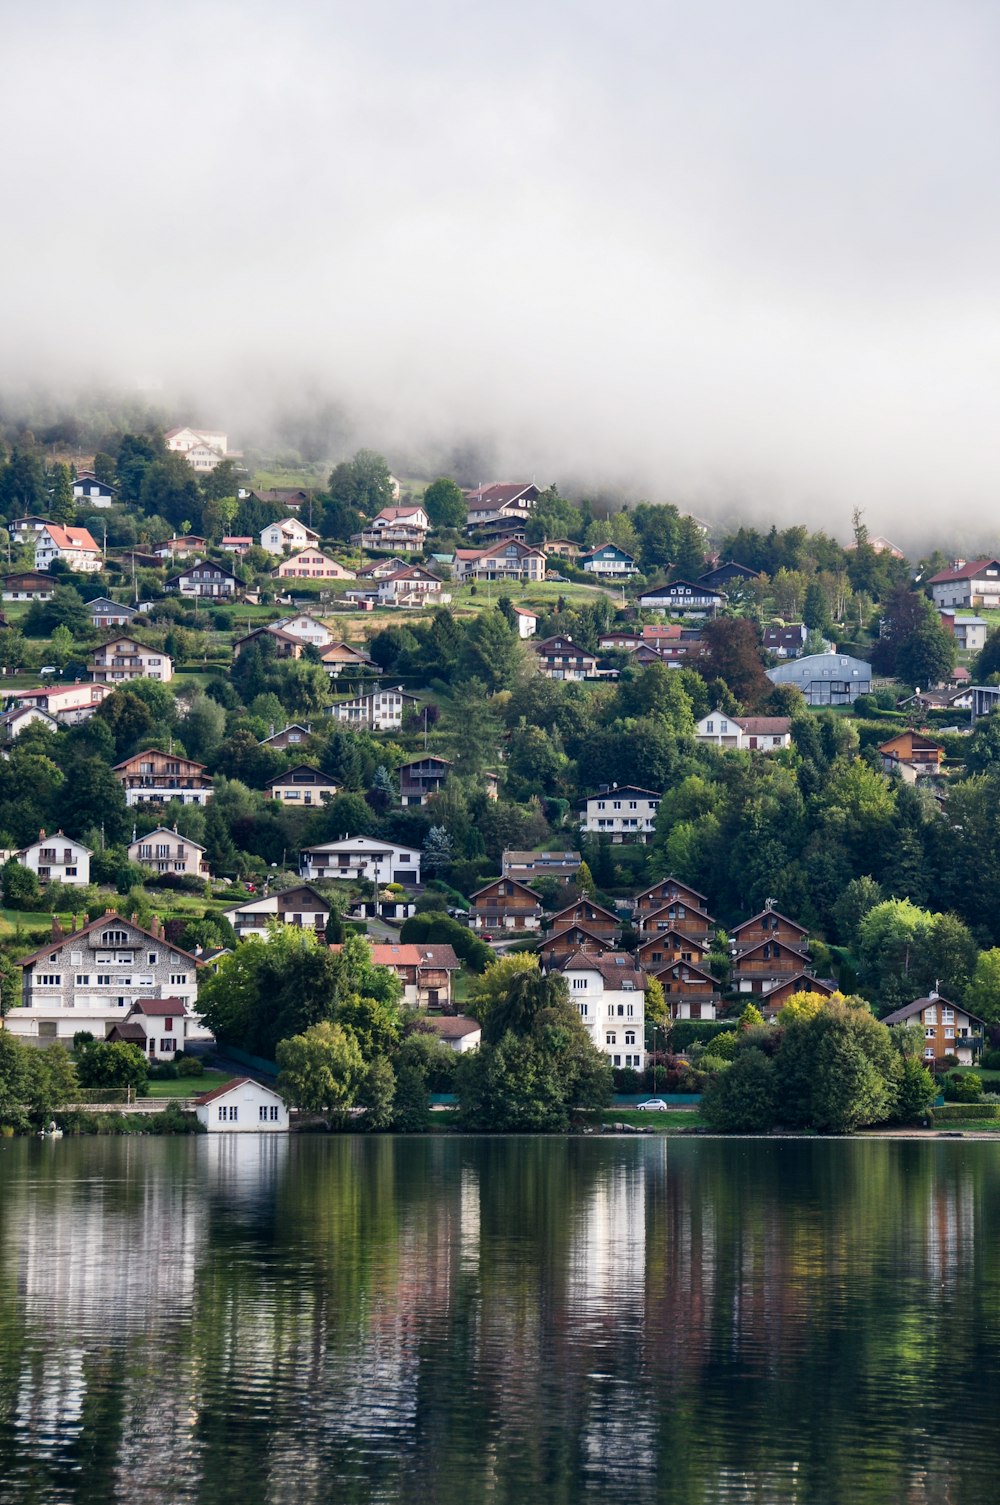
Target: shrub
column 961, row 1112
column 626, row 1079
column 163, row 1071
column 962, row 1087
column 991, row 1060
column 189, row 1066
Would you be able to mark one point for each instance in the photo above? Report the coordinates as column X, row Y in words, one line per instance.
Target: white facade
column 124, row 659
column 57, row 859
column 243, row 1107
column 166, row 851
column 308, row 628
column 625, row 814
column 381, row 710
column 69, row 704
column 356, row 857
column 94, row 493
column 183, row 440
column 527, row 622
column 612, row 1008
column 288, row 533
column 74, row 546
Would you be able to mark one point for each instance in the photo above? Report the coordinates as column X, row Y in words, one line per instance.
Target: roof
column 127, row 1031
column 690, row 586
column 240, row 1081
column 676, row 963
column 173, row 833
column 318, row 776
column 116, row 607
column 393, row 514
column 425, row 758
column 764, row 726
column 577, row 903
column 615, row 967
column 671, row 879
column 759, row 916
column 516, row 883
column 395, row 955
column 964, row 571
column 204, row 564
column 660, row 937
column 109, row 917
column 619, row 789
column 452, row 1026
column 898, row 1016
column 497, row 494
column 160, row 1008
column 147, row 751
column 576, row 927
column 71, row 538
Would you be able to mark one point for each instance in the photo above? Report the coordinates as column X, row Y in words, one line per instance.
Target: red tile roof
column 963, row 572
column 160, row 1008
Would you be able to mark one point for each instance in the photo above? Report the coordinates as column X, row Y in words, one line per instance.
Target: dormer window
column 114, row 938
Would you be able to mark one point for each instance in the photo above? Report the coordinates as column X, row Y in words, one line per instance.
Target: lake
column 460, row 1320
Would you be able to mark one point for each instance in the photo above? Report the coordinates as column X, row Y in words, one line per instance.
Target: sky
column 741, row 257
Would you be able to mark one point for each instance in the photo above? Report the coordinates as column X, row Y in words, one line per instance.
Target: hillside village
column 419, row 740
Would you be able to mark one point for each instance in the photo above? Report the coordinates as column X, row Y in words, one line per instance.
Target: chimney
column 57, row 930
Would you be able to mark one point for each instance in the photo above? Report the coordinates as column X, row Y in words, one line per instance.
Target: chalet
column 73, row 546
column 345, row 658
column 804, row 982
column 90, row 492
column 500, row 510
column 609, row 562
column 292, row 735
column 747, row 733
column 769, row 925
column 691, row 992
column 28, row 585
column 609, row 992
column 425, row 971
column 683, row 598
column 625, row 813
column 167, row 851
column 181, row 546
column 567, row 940
column 57, row 859
column 285, row 644
column 292, row 497
column 528, row 865
column 725, row 574
column 27, row 530
column 665, row 946
column 104, row 612
column 152, row 777
column 825, row 678
column 89, row 978
column 975, row 585
column 422, row 777
column 379, row 569
column 288, row 535
column 458, row 1032
column 309, row 629
column 380, row 710
column 676, row 915
column 123, row 659
column 584, row 911
column 413, row 585
column 243, row 1107
column 312, row 564
column 68, row 704
column 785, row 641
column 561, row 548
column 560, row 658
column 361, row 857
column 303, row 786
column 761, row 968
column 911, row 755
column 948, row 1029
column 504, row 906
column 206, row 580
column 510, row 559
column 301, row 906
column 620, row 642
column 666, row 891
column 395, row 530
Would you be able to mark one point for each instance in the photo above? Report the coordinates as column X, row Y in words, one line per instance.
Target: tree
column 802, row 1006
column 412, row 1108
column 928, row 655
column 62, row 506
column 982, row 996
column 271, row 989
column 111, row 1063
column 445, row 504
column 494, row 654
column 15, row 1079
column 320, row 1070
column 915, row 1090
column 816, row 610
column 438, row 853
column 987, row 663
column 742, row 1099
column 860, row 896
column 363, row 483
column 377, row 1094
column 20, row 886
column 732, row 653
column 490, row 989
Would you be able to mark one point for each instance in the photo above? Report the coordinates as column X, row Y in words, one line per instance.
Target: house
column 668, row 891
column 243, row 1107
column 504, row 906
column 948, row 1029
column 287, row 535
column 976, row 584
column 690, row 991
column 753, row 733
column 153, row 777
column 28, row 585
column 968, row 632
column 234, row 543
column 803, row 982
column 57, row 859
column 361, row 857
column 159, row 1026
column 343, row 658
column 92, row 492
column 682, row 917
column 825, row 678
column 303, row 785
column 456, row 1030
column 619, row 641
column 785, row 641
column 510, row 559
column 285, row 645
column 769, row 925
column 123, row 659
column 89, row 978
column 561, row 548
column 73, row 546
column 69, row 704
column 880, row 545
column 528, row 865
column 380, row 710
column 567, row 940
column 560, row 658
column 14, row 722
column 379, row 569
column 527, row 622
column 205, row 579
column 411, row 585
column 500, row 510
column 309, row 629
column 184, row 440
column 395, row 530
column 684, row 598
column 584, row 911
column 311, row 564
column 301, row 906
column 425, row 971
column 625, row 813
column 665, row 946
column 181, row 546
column 609, row 562
column 104, row 612
column 167, row 851
column 760, row 968
column 909, row 752
column 290, row 736
column 609, row 992
column 27, row 530
column 724, row 574
column 422, row 777
column 292, row 497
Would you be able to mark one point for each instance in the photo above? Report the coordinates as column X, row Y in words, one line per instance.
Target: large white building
column 123, row 659
column 976, row 584
column 74, row 546
column 610, row 993
column 167, row 851
column 753, row 733
column 356, row 857
column 380, row 711
column 625, row 813
column 825, row 678
column 57, row 859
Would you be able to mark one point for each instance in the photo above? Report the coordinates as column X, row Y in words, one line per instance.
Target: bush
column 991, row 1060
column 163, row 1071
column 627, row 1080
column 185, row 883
column 960, row 1112
column 189, row 1066
column 962, row 1087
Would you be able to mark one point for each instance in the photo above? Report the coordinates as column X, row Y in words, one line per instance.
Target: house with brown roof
column 412, row 585
column 567, row 939
column 676, row 915
column 769, row 925
column 665, row 946
column 751, row 733
column 804, row 982
column 422, row 777
column 911, row 755
column 312, row 564
column 584, row 911
column 761, row 968
column 243, row 1106
column 303, row 786
column 302, row 906
column 180, row 546
column 530, row 865
column 560, row 658
column 456, row 1030
column 948, row 1029
column 504, row 907
column 510, row 559
column 167, row 851
column 159, row 1026
column 152, row 777
column 395, row 530
column 609, row 992
column 667, row 891
column 976, row 584
column 500, row 510
column 347, row 658
column 28, row 585
column 425, row 971
column 123, row 659
column 690, row 991
column 786, row 640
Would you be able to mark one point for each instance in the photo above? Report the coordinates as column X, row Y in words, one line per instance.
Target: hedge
column 960, row 1112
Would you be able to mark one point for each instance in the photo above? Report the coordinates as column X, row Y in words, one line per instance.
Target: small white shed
column 243, row 1107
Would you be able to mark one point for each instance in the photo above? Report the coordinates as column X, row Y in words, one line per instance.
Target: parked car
column 652, row 1105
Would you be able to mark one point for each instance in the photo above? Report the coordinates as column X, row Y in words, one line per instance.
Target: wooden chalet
column 764, row 966
column 677, row 916
column 910, row 750
column 769, row 925
column 562, row 943
column 668, row 891
column 670, row 946
column 690, row 992
column 803, row 983
column 504, row 906
column 592, row 916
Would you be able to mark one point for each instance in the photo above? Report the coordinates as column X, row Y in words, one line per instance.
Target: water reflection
column 446, row 1320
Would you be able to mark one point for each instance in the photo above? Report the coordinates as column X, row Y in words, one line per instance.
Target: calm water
column 458, row 1320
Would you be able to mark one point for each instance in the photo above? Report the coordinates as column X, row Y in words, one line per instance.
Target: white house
column 159, row 1026
column 309, row 629
column 756, row 733
column 976, row 584
column 287, row 534
column 167, row 851
column 69, row 704
column 510, row 559
column 527, row 622
column 183, row 440
column 302, row 786
column 312, row 564
column 968, row 632
column 458, row 1031
column 301, row 906
column 411, row 586
column 357, row 857
column 625, row 813
column 381, row 710
column 57, row 859
column 123, row 659
column 243, row 1107
column 14, row 722
column 396, row 530
column 609, row 562
column 74, row 546
column 684, row 598
column 610, row 993
column 92, row 492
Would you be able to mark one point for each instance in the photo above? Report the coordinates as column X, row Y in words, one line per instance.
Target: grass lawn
column 662, row 1123
column 188, row 1086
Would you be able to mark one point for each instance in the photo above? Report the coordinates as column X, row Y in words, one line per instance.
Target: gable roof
column 451, row 1026
column 691, row 586
column 575, row 927
column 764, row 726
column 253, row 906
column 109, row 917
column 145, row 753
column 670, row 879
column 515, row 882
column 601, row 547
column 160, row 1008
column 674, row 966
column 116, row 608
column 233, row 1086
column 802, row 929
column 319, row 777
column 577, row 903
column 615, row 967
column 204, row 564
column 964, row 571
column 661, row 937
column 500, row 493
column 772, row 940
column 71, row 538
column 898, row 1016
column 617, row 790
column 173, row 833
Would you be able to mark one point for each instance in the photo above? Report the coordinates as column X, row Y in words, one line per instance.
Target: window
column 611, row 1038
column 579, row 984
column 262, row 1113
column 274, row 1113
column 178, row 979
column 947, row 1016
column 584, row 1010
column 113, row 938
column 50, row 980
column 949, row 1032
column 929, row 1055
column 630, row 1037
column 166, row 1046
column 83, row 979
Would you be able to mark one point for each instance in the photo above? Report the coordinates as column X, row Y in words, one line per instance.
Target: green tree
column 363, row 483
column 20, row 886
column 412, row 1108
column 15, row 1079
column 928, row 655
column 321, row 1070
column 744, row 1098
column 816, row 610
column 62, row 505
column 982, row 996
column 915, row 1091
column 494, row 654
column 111, row 1063
column 377, row 1094
column 445, row 504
